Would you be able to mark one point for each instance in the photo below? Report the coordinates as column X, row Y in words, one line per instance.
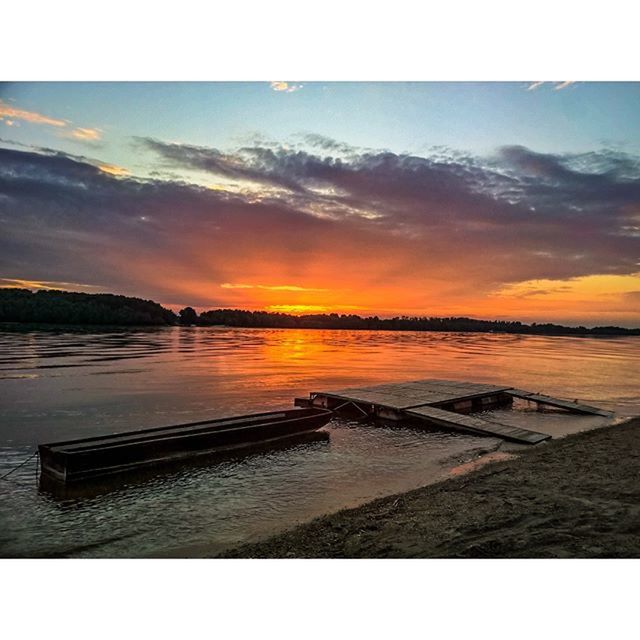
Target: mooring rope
column 6, row 475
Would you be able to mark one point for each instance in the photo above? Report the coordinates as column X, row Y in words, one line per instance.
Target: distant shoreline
column 68, row 308
column 57, row 326
column 576, row 497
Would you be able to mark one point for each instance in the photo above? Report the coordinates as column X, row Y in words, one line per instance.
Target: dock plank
column 393, row 401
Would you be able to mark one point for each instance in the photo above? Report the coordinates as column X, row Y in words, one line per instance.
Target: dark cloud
column 538, row 202
column 383, row 218
column 328, row 144
column 245, row 165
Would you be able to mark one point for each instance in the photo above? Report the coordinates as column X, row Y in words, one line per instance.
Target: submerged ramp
column 444, row 403
column 451, row 420
column 574, row 407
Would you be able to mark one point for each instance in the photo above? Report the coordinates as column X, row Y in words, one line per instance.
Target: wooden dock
column 446, row 404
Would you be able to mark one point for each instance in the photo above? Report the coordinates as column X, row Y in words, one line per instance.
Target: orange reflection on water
column 295, row 345
column 304, row 360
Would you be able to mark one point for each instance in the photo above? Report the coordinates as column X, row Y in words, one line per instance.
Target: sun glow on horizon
column 276, row 287
column 603, row 285
column 297, row 309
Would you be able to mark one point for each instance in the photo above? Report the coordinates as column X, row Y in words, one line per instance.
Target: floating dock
column 443, row 403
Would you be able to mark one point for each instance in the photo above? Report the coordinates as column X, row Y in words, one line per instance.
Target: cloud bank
column 374, row 230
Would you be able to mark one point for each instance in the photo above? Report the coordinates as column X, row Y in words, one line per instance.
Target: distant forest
column 239, row 318
column 65, row 307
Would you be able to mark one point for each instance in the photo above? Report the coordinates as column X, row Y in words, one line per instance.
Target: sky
column 515, row 201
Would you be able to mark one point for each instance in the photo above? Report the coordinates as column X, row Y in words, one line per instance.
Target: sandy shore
column 577, row 497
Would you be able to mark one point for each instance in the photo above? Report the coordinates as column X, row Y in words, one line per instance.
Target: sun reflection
column 299, row 346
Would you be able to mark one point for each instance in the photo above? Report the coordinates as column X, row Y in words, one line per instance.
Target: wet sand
column 576, row 497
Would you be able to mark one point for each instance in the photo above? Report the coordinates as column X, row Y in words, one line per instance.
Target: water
column 65, row 384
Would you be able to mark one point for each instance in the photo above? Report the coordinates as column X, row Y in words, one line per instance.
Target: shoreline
column 575, row 497
column 57, row 326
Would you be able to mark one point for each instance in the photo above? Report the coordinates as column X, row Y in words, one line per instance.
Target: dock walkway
column 443, row 403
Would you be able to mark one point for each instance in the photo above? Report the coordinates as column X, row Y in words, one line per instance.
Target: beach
column 575, row 497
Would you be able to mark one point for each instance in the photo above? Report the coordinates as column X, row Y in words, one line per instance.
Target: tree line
column 66, row 307
column 242, row 318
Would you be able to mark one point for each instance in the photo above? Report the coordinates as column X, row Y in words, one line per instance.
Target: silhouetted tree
column 188, row 316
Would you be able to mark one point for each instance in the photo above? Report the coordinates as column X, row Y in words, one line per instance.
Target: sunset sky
column 496, row 200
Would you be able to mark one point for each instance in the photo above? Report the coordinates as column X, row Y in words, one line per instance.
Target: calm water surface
column 66, row 384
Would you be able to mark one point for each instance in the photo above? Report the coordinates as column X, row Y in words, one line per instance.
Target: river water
column 64, row 384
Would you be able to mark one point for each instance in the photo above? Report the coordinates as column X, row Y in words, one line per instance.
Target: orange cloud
column 7, row 111
column 10, row 115
column 82, row 133
column 278, row 287
column 278, row 85
column 113, row 170
column 594, row 288
column 18, row 283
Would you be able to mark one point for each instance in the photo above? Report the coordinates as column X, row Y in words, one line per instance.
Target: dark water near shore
column 64, row 384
